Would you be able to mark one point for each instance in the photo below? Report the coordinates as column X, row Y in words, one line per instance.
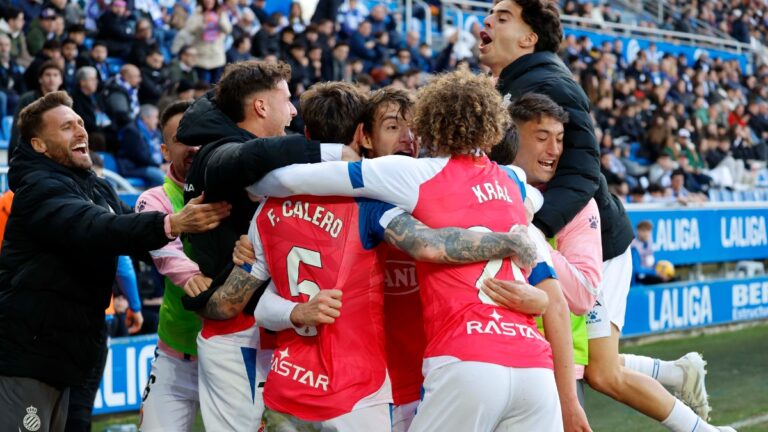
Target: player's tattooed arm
column 230, row 299
column 458, row 246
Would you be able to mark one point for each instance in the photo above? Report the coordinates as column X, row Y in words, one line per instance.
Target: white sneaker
column 693, row 392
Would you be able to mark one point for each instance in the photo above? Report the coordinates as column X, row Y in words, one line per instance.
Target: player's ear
column 529, row 40
column 362, row 139
column 39, row 145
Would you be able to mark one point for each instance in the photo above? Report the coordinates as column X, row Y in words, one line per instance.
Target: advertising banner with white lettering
column 690, row 236
column 686, row 305
column 125, row 374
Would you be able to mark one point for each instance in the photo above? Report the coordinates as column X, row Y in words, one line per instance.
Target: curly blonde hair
column 458, row 113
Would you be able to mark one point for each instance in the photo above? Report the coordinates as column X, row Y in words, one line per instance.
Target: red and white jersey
column 307, row 244
column 461, row 323
column 403, row 325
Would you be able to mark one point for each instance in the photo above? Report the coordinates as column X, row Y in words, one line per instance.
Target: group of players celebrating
column 472, row 289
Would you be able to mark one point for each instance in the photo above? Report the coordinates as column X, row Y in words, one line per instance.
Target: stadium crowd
column 669, row 130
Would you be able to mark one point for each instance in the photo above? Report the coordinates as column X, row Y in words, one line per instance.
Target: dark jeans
column 81, row 397
column 211, row 76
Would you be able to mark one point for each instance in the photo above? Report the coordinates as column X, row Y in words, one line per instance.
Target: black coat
column 86, row 107
column 57, row 266
column 117, row 104
column 230, row 159
column 578, row 175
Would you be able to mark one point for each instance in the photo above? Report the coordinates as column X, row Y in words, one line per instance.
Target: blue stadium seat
column 714, row 195
column 114, row 65
column 726, row 195
column 5, row 129
column 110, row 163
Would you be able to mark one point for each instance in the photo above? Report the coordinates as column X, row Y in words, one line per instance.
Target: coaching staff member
column 58, row 263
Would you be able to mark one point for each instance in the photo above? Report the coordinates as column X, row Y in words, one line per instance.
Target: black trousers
column 29, row 404
column 81, row 397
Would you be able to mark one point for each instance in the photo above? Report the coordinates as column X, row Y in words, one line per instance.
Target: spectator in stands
column 295, row 18
column 51, row 52
column 336, row 67
column 41, row 30
column 121, row 97
column 643, row 271
column 240, row 51
column 258, row 9
column 139, row 153
column 116, row 29
column 266, row 40
column 69, row 55
column 383, row 22
column 154, row 78
column 97, row 58
column 352, row 13
column 49, row 80
column 246, row 26
column 209, row 25
column 89, row 107
column 55, row 192
column 681, row 194
column 12, row 25
column 740, row 27
column 366, row 46
column 11, row 78
column 183, row 68
column 143, row 43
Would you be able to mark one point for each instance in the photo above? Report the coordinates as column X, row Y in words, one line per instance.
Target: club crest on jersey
column 491, row 191
column 496, row 326
column 400, row 277
column 31, row 421
column 285, row 368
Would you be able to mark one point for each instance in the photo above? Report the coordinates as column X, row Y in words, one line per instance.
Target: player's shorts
column 476, row 396
column 402, row 416
column 170, row 400
column 231, row 381
column 373, row 418
column 611, row 304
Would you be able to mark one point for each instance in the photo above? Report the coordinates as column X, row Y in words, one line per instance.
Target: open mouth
column 547, row 164
column 81, row 148
column 485, row 39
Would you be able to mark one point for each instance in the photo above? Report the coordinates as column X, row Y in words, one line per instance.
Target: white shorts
column 402, row 416
column 484, row 397
column 170, row 401
column 373, row 418
column 231, row 381
column 611, row 304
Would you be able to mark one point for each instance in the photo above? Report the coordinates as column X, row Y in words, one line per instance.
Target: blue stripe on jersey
column 370, row 211
column 249, row 361
column 540, row 272
column 356, row 174
column 513, row 175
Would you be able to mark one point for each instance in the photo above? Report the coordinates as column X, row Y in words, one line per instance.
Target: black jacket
column 578, row 175
column 117, row 104
column 230, row 159
column 57, row 266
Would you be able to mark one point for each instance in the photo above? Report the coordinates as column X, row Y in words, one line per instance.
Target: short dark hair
column 68, row 41
column 505, row 152
column 12, row 12
column 31, row 117
column 644, row 225
column 332, row 110
column 52, row 44
column 677, row 172
column 99, row 43
column 544, row 19
column 49, row 64
column 534, row 106
column 241, row 80
column 178, row 107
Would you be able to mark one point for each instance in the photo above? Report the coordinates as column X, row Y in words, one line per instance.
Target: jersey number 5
column 296, row 256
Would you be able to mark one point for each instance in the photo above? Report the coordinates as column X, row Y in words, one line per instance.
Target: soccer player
column 170, row 399
column 486, row 367
column 539, row 133
column 519, row 44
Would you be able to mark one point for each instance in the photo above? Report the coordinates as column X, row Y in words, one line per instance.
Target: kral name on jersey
column 283, row 367
column 498, row 327
column 312, row 213
column 491, row 191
